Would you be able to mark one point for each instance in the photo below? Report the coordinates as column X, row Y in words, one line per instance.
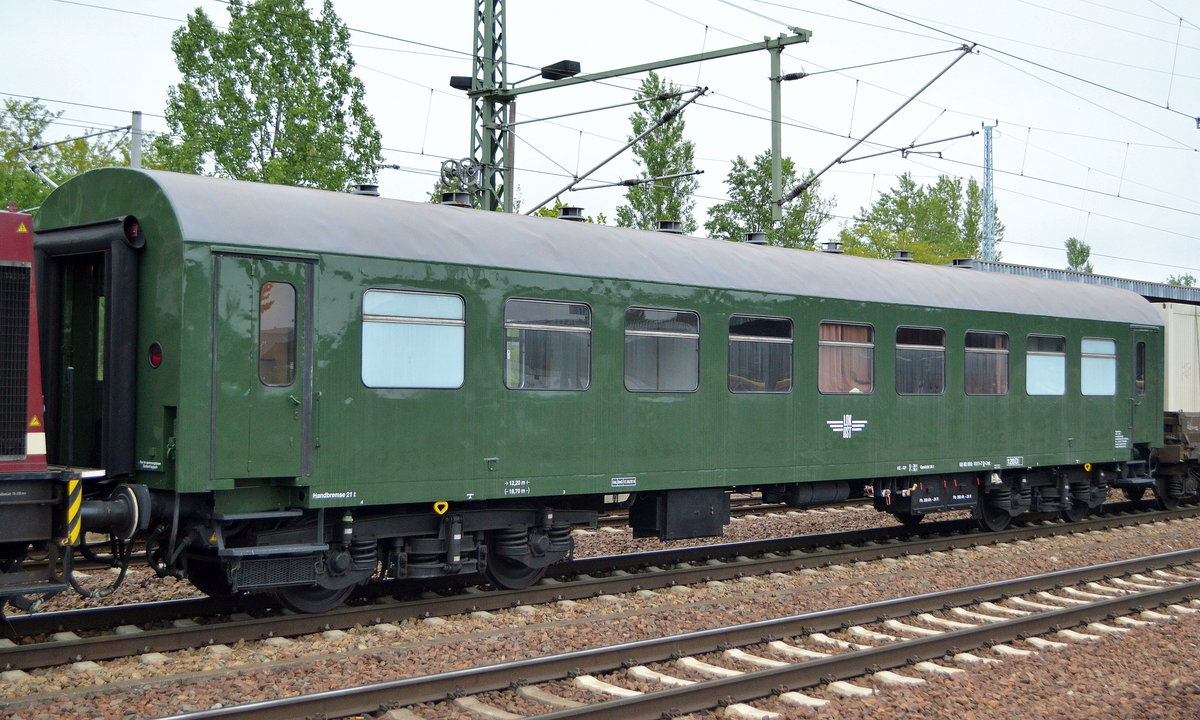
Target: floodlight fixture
column 560, row 70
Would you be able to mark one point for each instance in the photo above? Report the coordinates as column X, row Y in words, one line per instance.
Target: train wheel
column 313, row 599
column 1076, row 512
column 1134, row 494
column 505, row 551
column 992, row 519
column 509, row 575
column 909, row 520
column 1162, row 490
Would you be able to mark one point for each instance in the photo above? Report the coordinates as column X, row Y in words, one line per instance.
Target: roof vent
column 902, row 255
column 366, row 189
column 756, row 238
column 834, row 247
column 963, row 263
column 572, row 213
column 670, row 226
column 456, row 198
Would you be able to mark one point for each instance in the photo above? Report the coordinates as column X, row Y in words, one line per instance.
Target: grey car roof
column 230, row 212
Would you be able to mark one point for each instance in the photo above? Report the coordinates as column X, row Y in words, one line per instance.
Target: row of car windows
column 418, row 340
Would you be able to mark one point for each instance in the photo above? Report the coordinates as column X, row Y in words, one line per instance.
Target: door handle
column 294, row 400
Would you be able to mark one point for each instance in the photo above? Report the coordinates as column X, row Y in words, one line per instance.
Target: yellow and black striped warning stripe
column 74, row 504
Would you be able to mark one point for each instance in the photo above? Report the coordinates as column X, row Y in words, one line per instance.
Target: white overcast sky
column 1120, row 170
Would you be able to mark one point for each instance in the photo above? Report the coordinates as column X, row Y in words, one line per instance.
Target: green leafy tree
column 23, row 124
column 972, row 218
column 1079, row 255
column 270, row 99
column 663, row 152
column 749, row 206
column 937, row 222
column 1184, row 280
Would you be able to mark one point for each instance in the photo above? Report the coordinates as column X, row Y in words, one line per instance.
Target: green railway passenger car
column 299, row 390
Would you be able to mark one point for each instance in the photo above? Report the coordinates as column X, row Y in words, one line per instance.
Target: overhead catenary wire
column 640, row 181
column 1093, row 21
column 796, row 191
column 118, row 10
column 889, row 28
column 1032, row 125
column 802, row 75
column 951, row 35
column 893, row 29
column 462, row 53
column 1009, row 172
column 1043, row 199
column 1172, row 13
column 75, row 104
column 640, row 101
column 1001, row 189
column 806, row 127
column 1130, row 13
column 666, row 118
column 79, row 124
column 1121, row 177
column 1092, row 102
column 1173, row 266
column 1035, row 178
column 849, row 218
column 1180, row 145
column 1124, row 142
column 40, row 146
column 454, row 52
column 909, row 147
column 1059, row 183
column 1174, row 60
column 1014, row 56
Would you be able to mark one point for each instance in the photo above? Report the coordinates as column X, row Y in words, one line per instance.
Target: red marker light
column 155, row 355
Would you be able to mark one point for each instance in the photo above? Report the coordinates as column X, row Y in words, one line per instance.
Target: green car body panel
column 206, row 422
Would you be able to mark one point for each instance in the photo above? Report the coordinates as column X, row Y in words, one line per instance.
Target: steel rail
column 765, row 683
column 687, row 566
column 91, row 619
column 751, row 685
column 942, row 535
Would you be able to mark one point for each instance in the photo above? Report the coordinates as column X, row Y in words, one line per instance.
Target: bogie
column 996, row 498
column 310, row 561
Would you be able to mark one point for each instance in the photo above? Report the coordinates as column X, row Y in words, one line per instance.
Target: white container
column 1181, row 383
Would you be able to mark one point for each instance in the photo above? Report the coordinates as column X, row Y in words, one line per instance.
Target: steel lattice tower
column 489, row 67
column 988, row 249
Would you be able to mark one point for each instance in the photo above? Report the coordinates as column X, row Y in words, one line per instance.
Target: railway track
column 55, row 638
column 777, row 661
